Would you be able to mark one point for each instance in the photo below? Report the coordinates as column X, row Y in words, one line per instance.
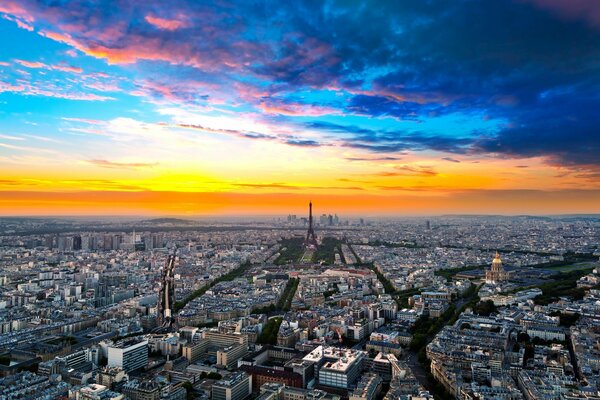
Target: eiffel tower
column 311, row 240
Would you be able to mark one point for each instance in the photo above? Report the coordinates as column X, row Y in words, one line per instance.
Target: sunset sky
column 255, row 107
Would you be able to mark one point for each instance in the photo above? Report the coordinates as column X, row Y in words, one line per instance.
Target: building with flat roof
column 237, row 386
column 193, row 351
column 228, row 357
column 216, row 338
column 337, row 367
column 130, row 354
column 270, row 391
column 261, row 375
column 95, row 392
column 141, row 390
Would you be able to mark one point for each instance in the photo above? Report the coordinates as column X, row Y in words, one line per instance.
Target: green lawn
column 291, row 250
column 326, row 250
column 574, row 267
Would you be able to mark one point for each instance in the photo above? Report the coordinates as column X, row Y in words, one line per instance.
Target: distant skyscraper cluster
column 324, row 220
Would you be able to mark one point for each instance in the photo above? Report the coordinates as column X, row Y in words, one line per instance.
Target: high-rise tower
column 311, row 239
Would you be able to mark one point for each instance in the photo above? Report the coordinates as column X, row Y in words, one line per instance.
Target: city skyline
column 366, row 108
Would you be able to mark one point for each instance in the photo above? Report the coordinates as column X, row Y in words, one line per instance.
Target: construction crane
column 166, row 297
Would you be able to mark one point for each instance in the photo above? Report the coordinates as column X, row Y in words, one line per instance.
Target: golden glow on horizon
column 203, row 171
column 213, row 203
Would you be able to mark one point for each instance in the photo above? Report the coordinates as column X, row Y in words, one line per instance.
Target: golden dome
column 497, row 261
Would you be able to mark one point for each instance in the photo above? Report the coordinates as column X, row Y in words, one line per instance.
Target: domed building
column 496, row 273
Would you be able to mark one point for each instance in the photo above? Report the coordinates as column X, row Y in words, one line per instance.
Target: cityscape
column 299, row 307
column 300, row 200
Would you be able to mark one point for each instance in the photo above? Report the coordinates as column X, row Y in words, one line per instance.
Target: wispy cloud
column 166, row 23
column 450, row 159
column 409, row 170
column 50, row 91
column 113, row 164
column 41, row 65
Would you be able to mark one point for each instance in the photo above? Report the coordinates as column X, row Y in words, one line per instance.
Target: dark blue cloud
column 380, row 106
column 381, row 141
column 302, row 143
column 562, row 126
column 504, row 59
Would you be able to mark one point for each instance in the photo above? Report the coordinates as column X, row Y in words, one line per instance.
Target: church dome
column 497, row 260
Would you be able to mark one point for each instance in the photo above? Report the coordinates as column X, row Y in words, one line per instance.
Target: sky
column 256, row 107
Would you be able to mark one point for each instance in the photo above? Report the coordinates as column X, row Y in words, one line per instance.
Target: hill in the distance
column 165, row 221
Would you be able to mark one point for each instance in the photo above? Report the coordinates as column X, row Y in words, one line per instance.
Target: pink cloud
column 9, row 87
column 99, row 75
column 103, row 86
column 185, row 91
column 84, row 120
column 296, row 109
column 20, row 23
column 17, row 10
column 68, row 68
column 147, row 48
column 586, row 10
column 114, row 41
column 49, row 91
column 166, row 24
column 24, row 25
column 41, row 65
column 32, row 64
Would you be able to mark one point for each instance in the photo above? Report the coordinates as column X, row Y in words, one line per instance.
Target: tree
column 529, row 352
column 270, row 331
column 523, row 337
column 189, row 389
column 566, row 320
column 485, row 308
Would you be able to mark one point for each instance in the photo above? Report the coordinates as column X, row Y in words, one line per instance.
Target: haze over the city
column 255, row 108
